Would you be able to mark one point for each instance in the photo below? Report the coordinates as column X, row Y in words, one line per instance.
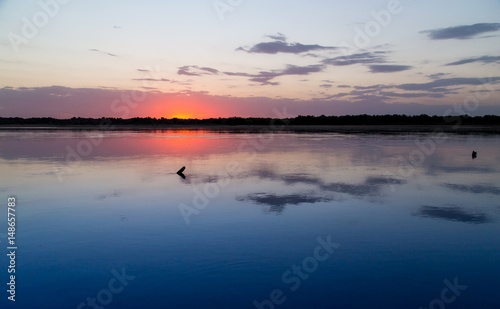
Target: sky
column 248, row 58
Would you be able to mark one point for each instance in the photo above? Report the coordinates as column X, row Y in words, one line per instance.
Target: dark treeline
column 233, row 121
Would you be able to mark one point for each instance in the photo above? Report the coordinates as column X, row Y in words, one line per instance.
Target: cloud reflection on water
column 436, row 170
column 278, row 202
column 372, row 185
column 453, row 213
column 323, row 192
column 475, row 188
column 295, row 168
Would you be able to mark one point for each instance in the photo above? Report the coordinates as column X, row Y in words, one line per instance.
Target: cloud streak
column 153, row 79
column 194, row 70
column 439, row 85
column 388, row 68
column 277, row 37
column 376, row 62
column 437, row 88
column 102, row 52
column 461, row 32
column 265, row 77
column 360, row 58
column 280, row 45
column 483, row 59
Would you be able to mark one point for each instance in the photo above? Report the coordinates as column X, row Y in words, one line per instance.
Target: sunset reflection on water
column 251, row 206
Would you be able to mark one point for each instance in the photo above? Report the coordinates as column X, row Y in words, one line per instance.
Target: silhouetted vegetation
column 238, row 121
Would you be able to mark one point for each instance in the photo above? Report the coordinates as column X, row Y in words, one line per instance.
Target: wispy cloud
column 411, row 95
column 438, row 75
column 388, row 68
column 280, row 45
column 277, row 37
column 483, row 59
column 265, row 77
column 102, row 52
column 376, row 62
column 437, row 88
column 194, row 70
column 360, row 58
column 439, row 85
column 153, row 79
column 461, row 32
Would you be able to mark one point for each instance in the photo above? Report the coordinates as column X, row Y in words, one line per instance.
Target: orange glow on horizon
column 183, row 107
column 181, row 116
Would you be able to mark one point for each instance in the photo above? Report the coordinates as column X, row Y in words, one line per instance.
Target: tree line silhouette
column 251, row 121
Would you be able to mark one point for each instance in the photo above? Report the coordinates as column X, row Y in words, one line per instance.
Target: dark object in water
column 179, row 172
column 474, row 154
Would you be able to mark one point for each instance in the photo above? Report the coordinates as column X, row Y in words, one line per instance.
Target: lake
column 261, row 220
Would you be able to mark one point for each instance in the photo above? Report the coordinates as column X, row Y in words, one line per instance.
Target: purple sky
column 248, row 58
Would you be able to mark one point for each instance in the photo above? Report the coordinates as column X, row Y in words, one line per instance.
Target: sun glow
column 182, row 116
column 184, row 106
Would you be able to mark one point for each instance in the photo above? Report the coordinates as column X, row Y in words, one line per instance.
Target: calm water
column 261, row 221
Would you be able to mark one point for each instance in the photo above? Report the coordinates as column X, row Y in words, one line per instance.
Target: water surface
column 408, row 215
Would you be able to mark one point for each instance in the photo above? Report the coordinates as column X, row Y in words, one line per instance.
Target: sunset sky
column 222, row 58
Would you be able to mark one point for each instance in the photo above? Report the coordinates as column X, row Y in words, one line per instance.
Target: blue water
column 103, row 216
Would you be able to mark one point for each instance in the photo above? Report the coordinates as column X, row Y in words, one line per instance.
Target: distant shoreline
column 462, row 124
column 394, row 129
